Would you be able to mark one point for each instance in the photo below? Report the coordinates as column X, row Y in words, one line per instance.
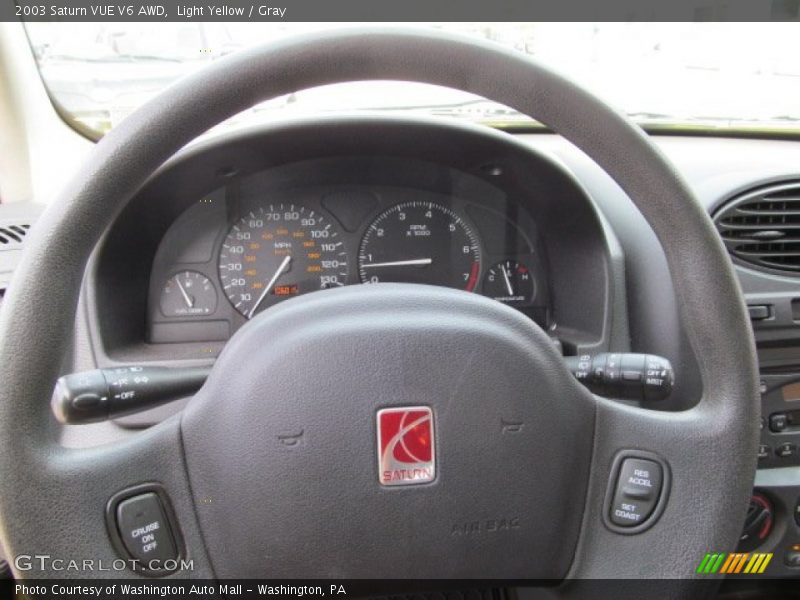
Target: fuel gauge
column 510, row 282
column 188, row 294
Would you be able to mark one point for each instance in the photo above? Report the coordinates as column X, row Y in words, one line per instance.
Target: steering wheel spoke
column 629, row 534
column 81, row 490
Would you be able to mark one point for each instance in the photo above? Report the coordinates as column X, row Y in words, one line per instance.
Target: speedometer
column 420, row 242
column 277, row 252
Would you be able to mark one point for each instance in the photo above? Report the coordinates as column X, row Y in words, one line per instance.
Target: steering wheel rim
column 713, row 443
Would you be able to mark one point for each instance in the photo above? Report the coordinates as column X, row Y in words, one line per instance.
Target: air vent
column 12, row 234
column 762, row 227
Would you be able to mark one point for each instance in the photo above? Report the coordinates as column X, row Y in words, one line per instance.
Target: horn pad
column 282, row 443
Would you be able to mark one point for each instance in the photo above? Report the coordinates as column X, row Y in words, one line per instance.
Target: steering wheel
column 530, row 501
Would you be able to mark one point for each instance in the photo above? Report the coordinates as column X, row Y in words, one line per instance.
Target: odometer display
column 420, row 242
column 278, row 252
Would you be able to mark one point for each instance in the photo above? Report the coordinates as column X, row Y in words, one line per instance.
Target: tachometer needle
column 400, row 263
column 281, row 268
column 508, row 280
column 189, row 301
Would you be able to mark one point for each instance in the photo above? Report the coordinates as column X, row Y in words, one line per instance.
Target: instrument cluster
column 240, row 250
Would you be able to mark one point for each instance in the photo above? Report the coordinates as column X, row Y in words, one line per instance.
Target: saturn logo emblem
column 406, row 453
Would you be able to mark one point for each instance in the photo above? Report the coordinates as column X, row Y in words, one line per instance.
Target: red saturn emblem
column 406, row 455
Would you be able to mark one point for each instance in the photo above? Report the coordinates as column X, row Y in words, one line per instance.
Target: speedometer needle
column 281, row 268
column 400, row 263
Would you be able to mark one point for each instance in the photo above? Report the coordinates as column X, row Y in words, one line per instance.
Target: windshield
column 722, row 76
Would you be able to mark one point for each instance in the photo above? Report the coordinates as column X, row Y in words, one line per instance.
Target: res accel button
column 637, row 491
column 145, row 531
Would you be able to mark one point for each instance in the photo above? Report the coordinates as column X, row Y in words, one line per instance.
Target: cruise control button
column 628, row 514
column 637, row 490
column 145, row 532
column 640, row 478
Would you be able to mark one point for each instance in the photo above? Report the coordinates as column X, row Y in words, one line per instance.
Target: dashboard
column 246, row 220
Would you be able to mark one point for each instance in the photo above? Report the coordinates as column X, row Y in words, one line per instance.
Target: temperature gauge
column 510, row 282
column 188, row 294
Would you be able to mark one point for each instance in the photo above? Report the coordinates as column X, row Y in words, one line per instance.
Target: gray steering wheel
column 247, row 506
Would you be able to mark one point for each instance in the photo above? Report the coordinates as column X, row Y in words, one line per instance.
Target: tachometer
column 277, row 252
column 420, row 242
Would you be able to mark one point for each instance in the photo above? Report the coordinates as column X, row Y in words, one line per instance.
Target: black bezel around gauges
column 499, row 203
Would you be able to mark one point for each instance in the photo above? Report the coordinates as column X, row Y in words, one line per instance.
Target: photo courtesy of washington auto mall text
column 65, row 590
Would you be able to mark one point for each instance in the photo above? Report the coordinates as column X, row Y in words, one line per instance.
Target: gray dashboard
column 604, row 283
column 603, row 280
